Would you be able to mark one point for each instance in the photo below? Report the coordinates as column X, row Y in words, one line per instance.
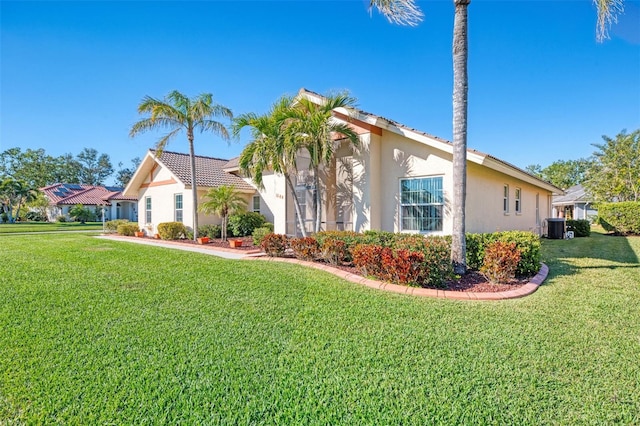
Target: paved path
column 235, row 254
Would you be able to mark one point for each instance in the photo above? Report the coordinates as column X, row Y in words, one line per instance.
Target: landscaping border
column 522, row 291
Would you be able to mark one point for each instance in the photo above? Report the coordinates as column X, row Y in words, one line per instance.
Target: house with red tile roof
column 398, row 179
column 64, row 196
column 162, row 184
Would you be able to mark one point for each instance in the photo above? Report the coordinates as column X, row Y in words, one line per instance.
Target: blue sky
column 541, row 88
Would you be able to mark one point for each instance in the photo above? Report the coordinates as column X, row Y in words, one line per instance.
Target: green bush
column 35, row 216
column 111, row 226
column 259, row 234
column 4, row 217
column 243, row 224
column 172, row 230
column 61, row 219
column 127, row 229
column 622, row 218
column 82, row 214
column 580, row 228
column 211, row 231
column 527, row 243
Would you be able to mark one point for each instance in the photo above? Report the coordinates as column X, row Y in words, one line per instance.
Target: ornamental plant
column 172, row 230
column 274, row 245
column 306, row 248
column 500, row 262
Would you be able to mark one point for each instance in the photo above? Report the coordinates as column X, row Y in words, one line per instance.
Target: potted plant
column 203, row 240
column 139, row 233
column 235, row 243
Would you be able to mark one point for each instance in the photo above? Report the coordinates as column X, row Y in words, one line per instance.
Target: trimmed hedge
column 621, row 218
column 527, row 243
column 580, row 228
column 128, row 229
column 172, row 230
column 112, row 225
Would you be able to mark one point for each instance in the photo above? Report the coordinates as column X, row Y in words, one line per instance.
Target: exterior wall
column 273, row 203
column 484, row 208
column 161, row 187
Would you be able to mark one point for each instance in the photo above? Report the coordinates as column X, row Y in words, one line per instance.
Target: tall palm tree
column 313, row 127
column 14, row 192
column 223, row 200
column 176, row 113
column 406, row 12
column 270, row 148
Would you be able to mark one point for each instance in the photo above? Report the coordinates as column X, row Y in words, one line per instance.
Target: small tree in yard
column 80, row 213
column 223, row 200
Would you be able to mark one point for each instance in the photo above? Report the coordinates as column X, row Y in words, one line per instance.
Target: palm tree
column 14, row 192
column 223, row 200
column 313, row 127
column 270, row 149
column 176, row 113
column 406, row 12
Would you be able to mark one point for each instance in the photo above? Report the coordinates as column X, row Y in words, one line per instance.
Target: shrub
column 4, row 217
column 172, row 230
column 349, row 238
column 500, row 261
column 527, row 243
column 35, row 216
column 404, row 266
column 111, row 226
column 61, row 219
column 305, row 248
column 259, row 234
column 367, row 258
column 274, row 244
column 243, row 224
column 580, row 228
column 381, row 238
column 211, row 231
column 622, row 218
column 334, row 251
column 82, row 214
column 128, row 229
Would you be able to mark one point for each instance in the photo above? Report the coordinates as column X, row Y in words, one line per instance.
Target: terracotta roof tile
column 71, row 194
column 209, row 170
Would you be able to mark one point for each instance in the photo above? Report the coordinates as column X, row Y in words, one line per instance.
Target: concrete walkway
column 210, row 250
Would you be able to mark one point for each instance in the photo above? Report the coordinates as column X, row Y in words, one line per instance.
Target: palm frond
column 163, row 141
column 608, row 11
column 213, row 126
column 402, row 12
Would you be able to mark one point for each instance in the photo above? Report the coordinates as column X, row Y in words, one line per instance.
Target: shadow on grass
column 606, row 251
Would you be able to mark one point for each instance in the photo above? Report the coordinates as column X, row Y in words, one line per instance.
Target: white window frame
column 417, row 198
column 505, row 199
column 518, row 199
column 253, row 203
column 148, row 209
column 178, row 211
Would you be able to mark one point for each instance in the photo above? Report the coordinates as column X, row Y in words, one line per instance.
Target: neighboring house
column 163, row 187
column 64, row 196
column 399, row 179
column 574, row 204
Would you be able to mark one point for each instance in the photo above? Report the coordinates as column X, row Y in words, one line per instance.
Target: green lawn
column 13, row 228
column 103, row 332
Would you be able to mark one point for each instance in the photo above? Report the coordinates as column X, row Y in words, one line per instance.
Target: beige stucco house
column 107, row 200
column 399, row 179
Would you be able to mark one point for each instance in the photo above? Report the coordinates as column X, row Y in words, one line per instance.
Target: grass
column 105, row 332
column 14, row 228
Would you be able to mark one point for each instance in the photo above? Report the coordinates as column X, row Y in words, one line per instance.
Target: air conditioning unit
column 570, row 235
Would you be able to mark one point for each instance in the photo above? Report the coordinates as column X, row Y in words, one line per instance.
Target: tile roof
column 71, row 194
column 209, row 171
column 575, row 194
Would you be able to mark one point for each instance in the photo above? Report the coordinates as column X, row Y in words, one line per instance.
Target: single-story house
column 575, row 204
column 399, row 179
column 64, row 196
column 162, row 185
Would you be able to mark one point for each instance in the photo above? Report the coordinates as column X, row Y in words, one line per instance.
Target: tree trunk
column 194, row 187
column 318, row 199
column 296, row 204
column 460, row 92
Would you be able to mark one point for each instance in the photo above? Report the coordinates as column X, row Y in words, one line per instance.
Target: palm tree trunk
column 460, row 92
column 296, row 204
column 194, row 188
column 318, row 199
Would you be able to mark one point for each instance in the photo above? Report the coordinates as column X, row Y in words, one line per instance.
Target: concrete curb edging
column 525, row 290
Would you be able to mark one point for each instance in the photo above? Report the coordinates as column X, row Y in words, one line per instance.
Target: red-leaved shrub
column 274, row 244
column 305, row 248
column 333, row 251
column 500, row 261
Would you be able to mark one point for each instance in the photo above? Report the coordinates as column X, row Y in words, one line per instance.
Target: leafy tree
column 405, row 12
column 13, row 193
column 94, row 168
column 270, row 149
column 615, row 174
column 562, row 174
column 81, row 213
column 67, row 169
column 223, row 200
column 313, row 128
column 176, row 113
column 34, row 167
column 124, row 175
